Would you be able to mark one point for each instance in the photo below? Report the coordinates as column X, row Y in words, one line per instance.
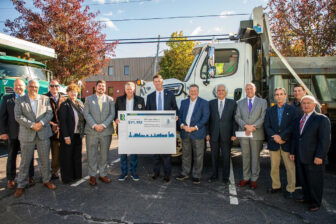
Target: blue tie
column 250, row 105
column 159, row 107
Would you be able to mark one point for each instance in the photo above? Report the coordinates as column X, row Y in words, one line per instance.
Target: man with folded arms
column 33, row 113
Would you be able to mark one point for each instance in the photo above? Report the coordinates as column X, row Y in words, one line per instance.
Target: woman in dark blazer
column 71, row 123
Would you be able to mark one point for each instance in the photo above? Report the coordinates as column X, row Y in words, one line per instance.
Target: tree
column 178, row 58
column 305, row 27
column 68, row 28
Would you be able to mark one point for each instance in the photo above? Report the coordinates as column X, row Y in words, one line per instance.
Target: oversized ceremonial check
column 147, row 132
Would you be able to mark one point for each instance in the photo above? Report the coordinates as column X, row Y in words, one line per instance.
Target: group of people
column 295, row 133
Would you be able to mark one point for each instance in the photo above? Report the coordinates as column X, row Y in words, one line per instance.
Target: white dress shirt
column 33, row 103
column 129, row 104
column 190, row 111
column 253, row 98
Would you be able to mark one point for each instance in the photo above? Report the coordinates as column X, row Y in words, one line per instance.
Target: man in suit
column 99, row 113
column 194, row 115
column 221, row 132
column 33, row 113
column 129, row 102
column 56, row 98
column 310, row 145
column 250, row 118
column 161, row 99
column 278, row 126
column 9, row 130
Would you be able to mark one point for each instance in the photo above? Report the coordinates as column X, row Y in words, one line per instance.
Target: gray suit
column 251, row 146
column 94, row 139
column 29, row 138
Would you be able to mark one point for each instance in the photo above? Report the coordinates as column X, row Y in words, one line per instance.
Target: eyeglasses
column 54, row 86
column 33, row 87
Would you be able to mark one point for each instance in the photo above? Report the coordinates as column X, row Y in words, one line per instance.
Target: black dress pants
column 166, row 160
column 225, row 148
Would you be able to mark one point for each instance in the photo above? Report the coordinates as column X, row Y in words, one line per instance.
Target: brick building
column 118, row 72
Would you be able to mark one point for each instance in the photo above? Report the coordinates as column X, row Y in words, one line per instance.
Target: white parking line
column 232, row 187
column 87, row 177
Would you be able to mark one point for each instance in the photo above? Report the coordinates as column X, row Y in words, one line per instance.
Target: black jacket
column 120, row 105
column 168, row 98
column 8, row 124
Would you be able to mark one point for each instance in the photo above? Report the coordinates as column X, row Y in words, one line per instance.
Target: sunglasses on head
column 54, row 85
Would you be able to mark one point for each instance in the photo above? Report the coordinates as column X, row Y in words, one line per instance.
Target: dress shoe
column 289, row 195
column 18, row 192
column 11, row 184
column 155, row 176
column 31, row 182
column 196, row 180
column 273, row 191
column 253, row 185
column 105, row 179
column 243, row 183
column 92, row 181
column 213, row 178
column 313, row 208
column 54, row 177
column 166, row 179
column 50, row 185
column 182, row 177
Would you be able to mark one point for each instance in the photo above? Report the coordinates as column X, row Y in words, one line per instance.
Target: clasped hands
column 189, row 129
column 99, row 127
column 37, row 126
column 249, row 128
column 278, row 139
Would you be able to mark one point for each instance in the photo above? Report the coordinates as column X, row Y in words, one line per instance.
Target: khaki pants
column 275, row 170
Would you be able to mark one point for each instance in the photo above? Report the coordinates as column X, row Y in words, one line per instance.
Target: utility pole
column 156, row 56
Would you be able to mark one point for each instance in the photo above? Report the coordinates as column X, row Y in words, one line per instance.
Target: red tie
column 302, row 121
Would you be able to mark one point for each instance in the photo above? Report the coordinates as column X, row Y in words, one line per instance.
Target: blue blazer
column 199, row 118
column 314, row 140
column 284, row 130
column 169, row 101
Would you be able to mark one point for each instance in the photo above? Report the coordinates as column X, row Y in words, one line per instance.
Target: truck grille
column 9, row 90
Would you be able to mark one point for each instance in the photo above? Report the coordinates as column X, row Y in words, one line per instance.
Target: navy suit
column 169, row 102
column 193, row 142
column 221, row 129
column 284, row 130
column 9, row 126
column 314, row 141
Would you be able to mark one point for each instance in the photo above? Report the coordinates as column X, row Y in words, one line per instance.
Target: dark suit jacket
column 314, row 140
column 222, row 127
column 120, row 105
column 284, row 130
column 55, row 106
column 169, row 101
column 66, row 118
column 8, row 124
column 199, row 118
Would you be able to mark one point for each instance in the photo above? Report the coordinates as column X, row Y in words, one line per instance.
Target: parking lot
column 148, row 201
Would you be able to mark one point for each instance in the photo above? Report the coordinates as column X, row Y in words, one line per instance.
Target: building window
column 110, row 91
column 126, row 69
column 110, row 70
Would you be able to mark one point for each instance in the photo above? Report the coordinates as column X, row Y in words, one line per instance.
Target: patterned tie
column 250, row 105
column 302, row 121
column 159, row 107
column 220, row 110
column 100, row 103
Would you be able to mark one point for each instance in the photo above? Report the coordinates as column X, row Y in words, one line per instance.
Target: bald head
column 19, row 87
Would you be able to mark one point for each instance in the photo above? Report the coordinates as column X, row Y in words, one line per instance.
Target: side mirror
column 211, row 65
column 237, row 94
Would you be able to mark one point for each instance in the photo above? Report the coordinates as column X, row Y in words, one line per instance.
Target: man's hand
column 247, row 133
column 250, row 128
column 276, row 138
column 117, row 121
column 67, row 140
column 318, row 161
column 38, row 125
column 4, row 137
column 207, row 137
column 99, row 128
column 292, row 157
column 186, row 128
column 233, row 138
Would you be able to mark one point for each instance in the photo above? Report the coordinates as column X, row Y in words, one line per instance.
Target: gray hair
column 252, row 84
column 220, row 85
column 310, row 98
column 131, row 84
column 33, row 80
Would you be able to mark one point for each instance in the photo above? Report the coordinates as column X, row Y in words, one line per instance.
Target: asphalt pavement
column 148, row 201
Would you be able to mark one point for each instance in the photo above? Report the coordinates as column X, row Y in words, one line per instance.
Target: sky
column 157, row 8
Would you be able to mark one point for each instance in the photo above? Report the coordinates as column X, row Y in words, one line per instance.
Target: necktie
column 302, row 121
column 100, row 103
column 220, row 110
column 159, row 107
column 250, row 105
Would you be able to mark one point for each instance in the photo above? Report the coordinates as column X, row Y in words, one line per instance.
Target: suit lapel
column 195, row 108
column 165, row 101
column 308, row 122
column 223, row 111
column 39, row 104
column 186, row 109
column 95, row 99
column 254, row 104
column 275, row 115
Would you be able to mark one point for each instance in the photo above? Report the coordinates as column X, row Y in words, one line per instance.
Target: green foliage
column 178, row 58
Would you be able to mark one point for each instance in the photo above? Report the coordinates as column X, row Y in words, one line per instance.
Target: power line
column 162, row 38
column 172, row 17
